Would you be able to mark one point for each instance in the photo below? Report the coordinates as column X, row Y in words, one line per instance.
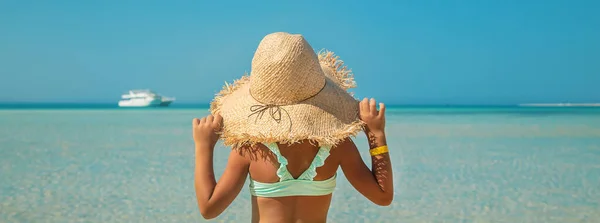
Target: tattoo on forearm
column 380, row 166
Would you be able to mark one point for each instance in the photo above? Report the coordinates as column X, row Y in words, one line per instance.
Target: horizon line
column 207, row 104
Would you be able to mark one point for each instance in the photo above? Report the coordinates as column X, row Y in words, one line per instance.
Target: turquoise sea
column 97, row 163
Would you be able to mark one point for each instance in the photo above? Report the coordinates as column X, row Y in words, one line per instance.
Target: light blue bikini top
column 304, row 185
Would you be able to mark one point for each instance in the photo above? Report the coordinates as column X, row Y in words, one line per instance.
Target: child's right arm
column 377, row 183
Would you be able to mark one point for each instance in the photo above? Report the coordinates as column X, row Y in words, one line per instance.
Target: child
column 289, row 124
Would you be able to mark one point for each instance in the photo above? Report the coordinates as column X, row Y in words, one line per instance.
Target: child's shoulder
column 252, row 152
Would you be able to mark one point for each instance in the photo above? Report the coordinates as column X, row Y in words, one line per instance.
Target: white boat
column 144, row 98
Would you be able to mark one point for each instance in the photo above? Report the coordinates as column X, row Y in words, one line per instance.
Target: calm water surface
column 451, row 165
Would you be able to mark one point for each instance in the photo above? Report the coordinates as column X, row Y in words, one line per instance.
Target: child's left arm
column 213, row 198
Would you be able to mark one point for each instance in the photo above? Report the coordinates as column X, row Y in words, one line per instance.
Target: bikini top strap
column 308, row 174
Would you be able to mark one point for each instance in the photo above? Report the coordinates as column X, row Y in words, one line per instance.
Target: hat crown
column 285, row 70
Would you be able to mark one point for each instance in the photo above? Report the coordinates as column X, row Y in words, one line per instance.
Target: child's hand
column 374, row 119
column 205, row 130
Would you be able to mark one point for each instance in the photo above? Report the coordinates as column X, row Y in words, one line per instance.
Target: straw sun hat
column 291, row 94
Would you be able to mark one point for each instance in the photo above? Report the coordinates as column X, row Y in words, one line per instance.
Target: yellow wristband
column 379, row 150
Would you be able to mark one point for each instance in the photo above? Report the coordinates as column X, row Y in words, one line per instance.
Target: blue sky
column 402, row 52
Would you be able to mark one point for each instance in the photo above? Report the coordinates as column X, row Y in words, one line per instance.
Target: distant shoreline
column 191, row 105
column 560, row 105
column 67, row 105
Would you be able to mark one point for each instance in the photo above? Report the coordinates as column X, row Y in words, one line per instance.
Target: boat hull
column 142, row 104
column 144, row 98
